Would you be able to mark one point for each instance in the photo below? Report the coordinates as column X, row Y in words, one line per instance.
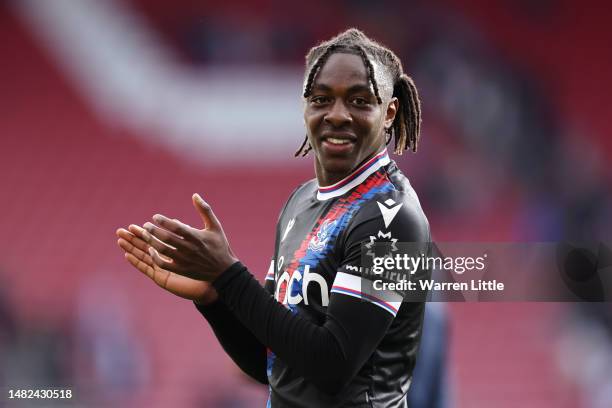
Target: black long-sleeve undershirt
column 237, row 341
column 328, row 355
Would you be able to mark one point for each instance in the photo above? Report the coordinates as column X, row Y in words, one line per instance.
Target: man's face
column 344, row 122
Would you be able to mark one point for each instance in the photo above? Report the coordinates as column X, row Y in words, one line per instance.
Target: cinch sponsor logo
column 285, row 283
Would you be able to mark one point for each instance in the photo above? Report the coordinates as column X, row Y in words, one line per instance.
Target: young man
column 312, row 333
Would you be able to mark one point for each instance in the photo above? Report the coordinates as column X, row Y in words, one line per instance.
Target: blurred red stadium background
column 105, row 128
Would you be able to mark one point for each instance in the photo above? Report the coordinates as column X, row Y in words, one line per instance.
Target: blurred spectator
column 584, row 351
column 430, row 386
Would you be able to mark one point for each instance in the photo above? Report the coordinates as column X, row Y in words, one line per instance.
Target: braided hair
column 406, row 126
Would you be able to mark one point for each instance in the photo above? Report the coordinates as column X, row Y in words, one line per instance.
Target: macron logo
column 389, row 211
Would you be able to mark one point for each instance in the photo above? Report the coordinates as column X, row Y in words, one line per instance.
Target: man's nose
column 338, row 114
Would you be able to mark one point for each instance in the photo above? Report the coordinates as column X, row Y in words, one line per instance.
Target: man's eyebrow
column 321, row 87
column 352, row 89
column 360, row 88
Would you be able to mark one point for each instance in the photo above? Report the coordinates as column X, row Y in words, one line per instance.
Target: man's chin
column 340, row 167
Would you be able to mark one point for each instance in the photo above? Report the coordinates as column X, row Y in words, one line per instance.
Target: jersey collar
column 355, row 178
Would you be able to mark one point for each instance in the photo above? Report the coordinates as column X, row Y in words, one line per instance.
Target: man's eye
column 319, row 100
column 359, row 101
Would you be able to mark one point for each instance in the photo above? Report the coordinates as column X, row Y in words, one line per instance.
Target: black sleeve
column 237, row 341
column 329, row 355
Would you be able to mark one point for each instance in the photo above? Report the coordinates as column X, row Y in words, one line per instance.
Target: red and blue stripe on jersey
column 339, row 217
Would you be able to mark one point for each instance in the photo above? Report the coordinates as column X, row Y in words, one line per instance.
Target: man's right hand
column 137, row 253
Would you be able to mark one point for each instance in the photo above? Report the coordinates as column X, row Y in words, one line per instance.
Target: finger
column 132, row 238
column 123, row 233
column 147, row 266
column 168, row 265
column 138, row 253
column 164, row 241
column 140, row 265
column 175, row 226
column 140, row 249
column 208, row 216
column 140, row 234
column 148, row 240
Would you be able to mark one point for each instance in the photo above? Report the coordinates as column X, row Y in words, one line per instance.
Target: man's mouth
column 338, row 143
column 338, row 138
column 335, row 141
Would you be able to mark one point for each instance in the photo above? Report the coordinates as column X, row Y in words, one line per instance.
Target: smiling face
column 344, row 122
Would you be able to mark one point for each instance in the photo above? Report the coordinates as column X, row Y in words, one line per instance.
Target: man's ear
column 392, row 107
